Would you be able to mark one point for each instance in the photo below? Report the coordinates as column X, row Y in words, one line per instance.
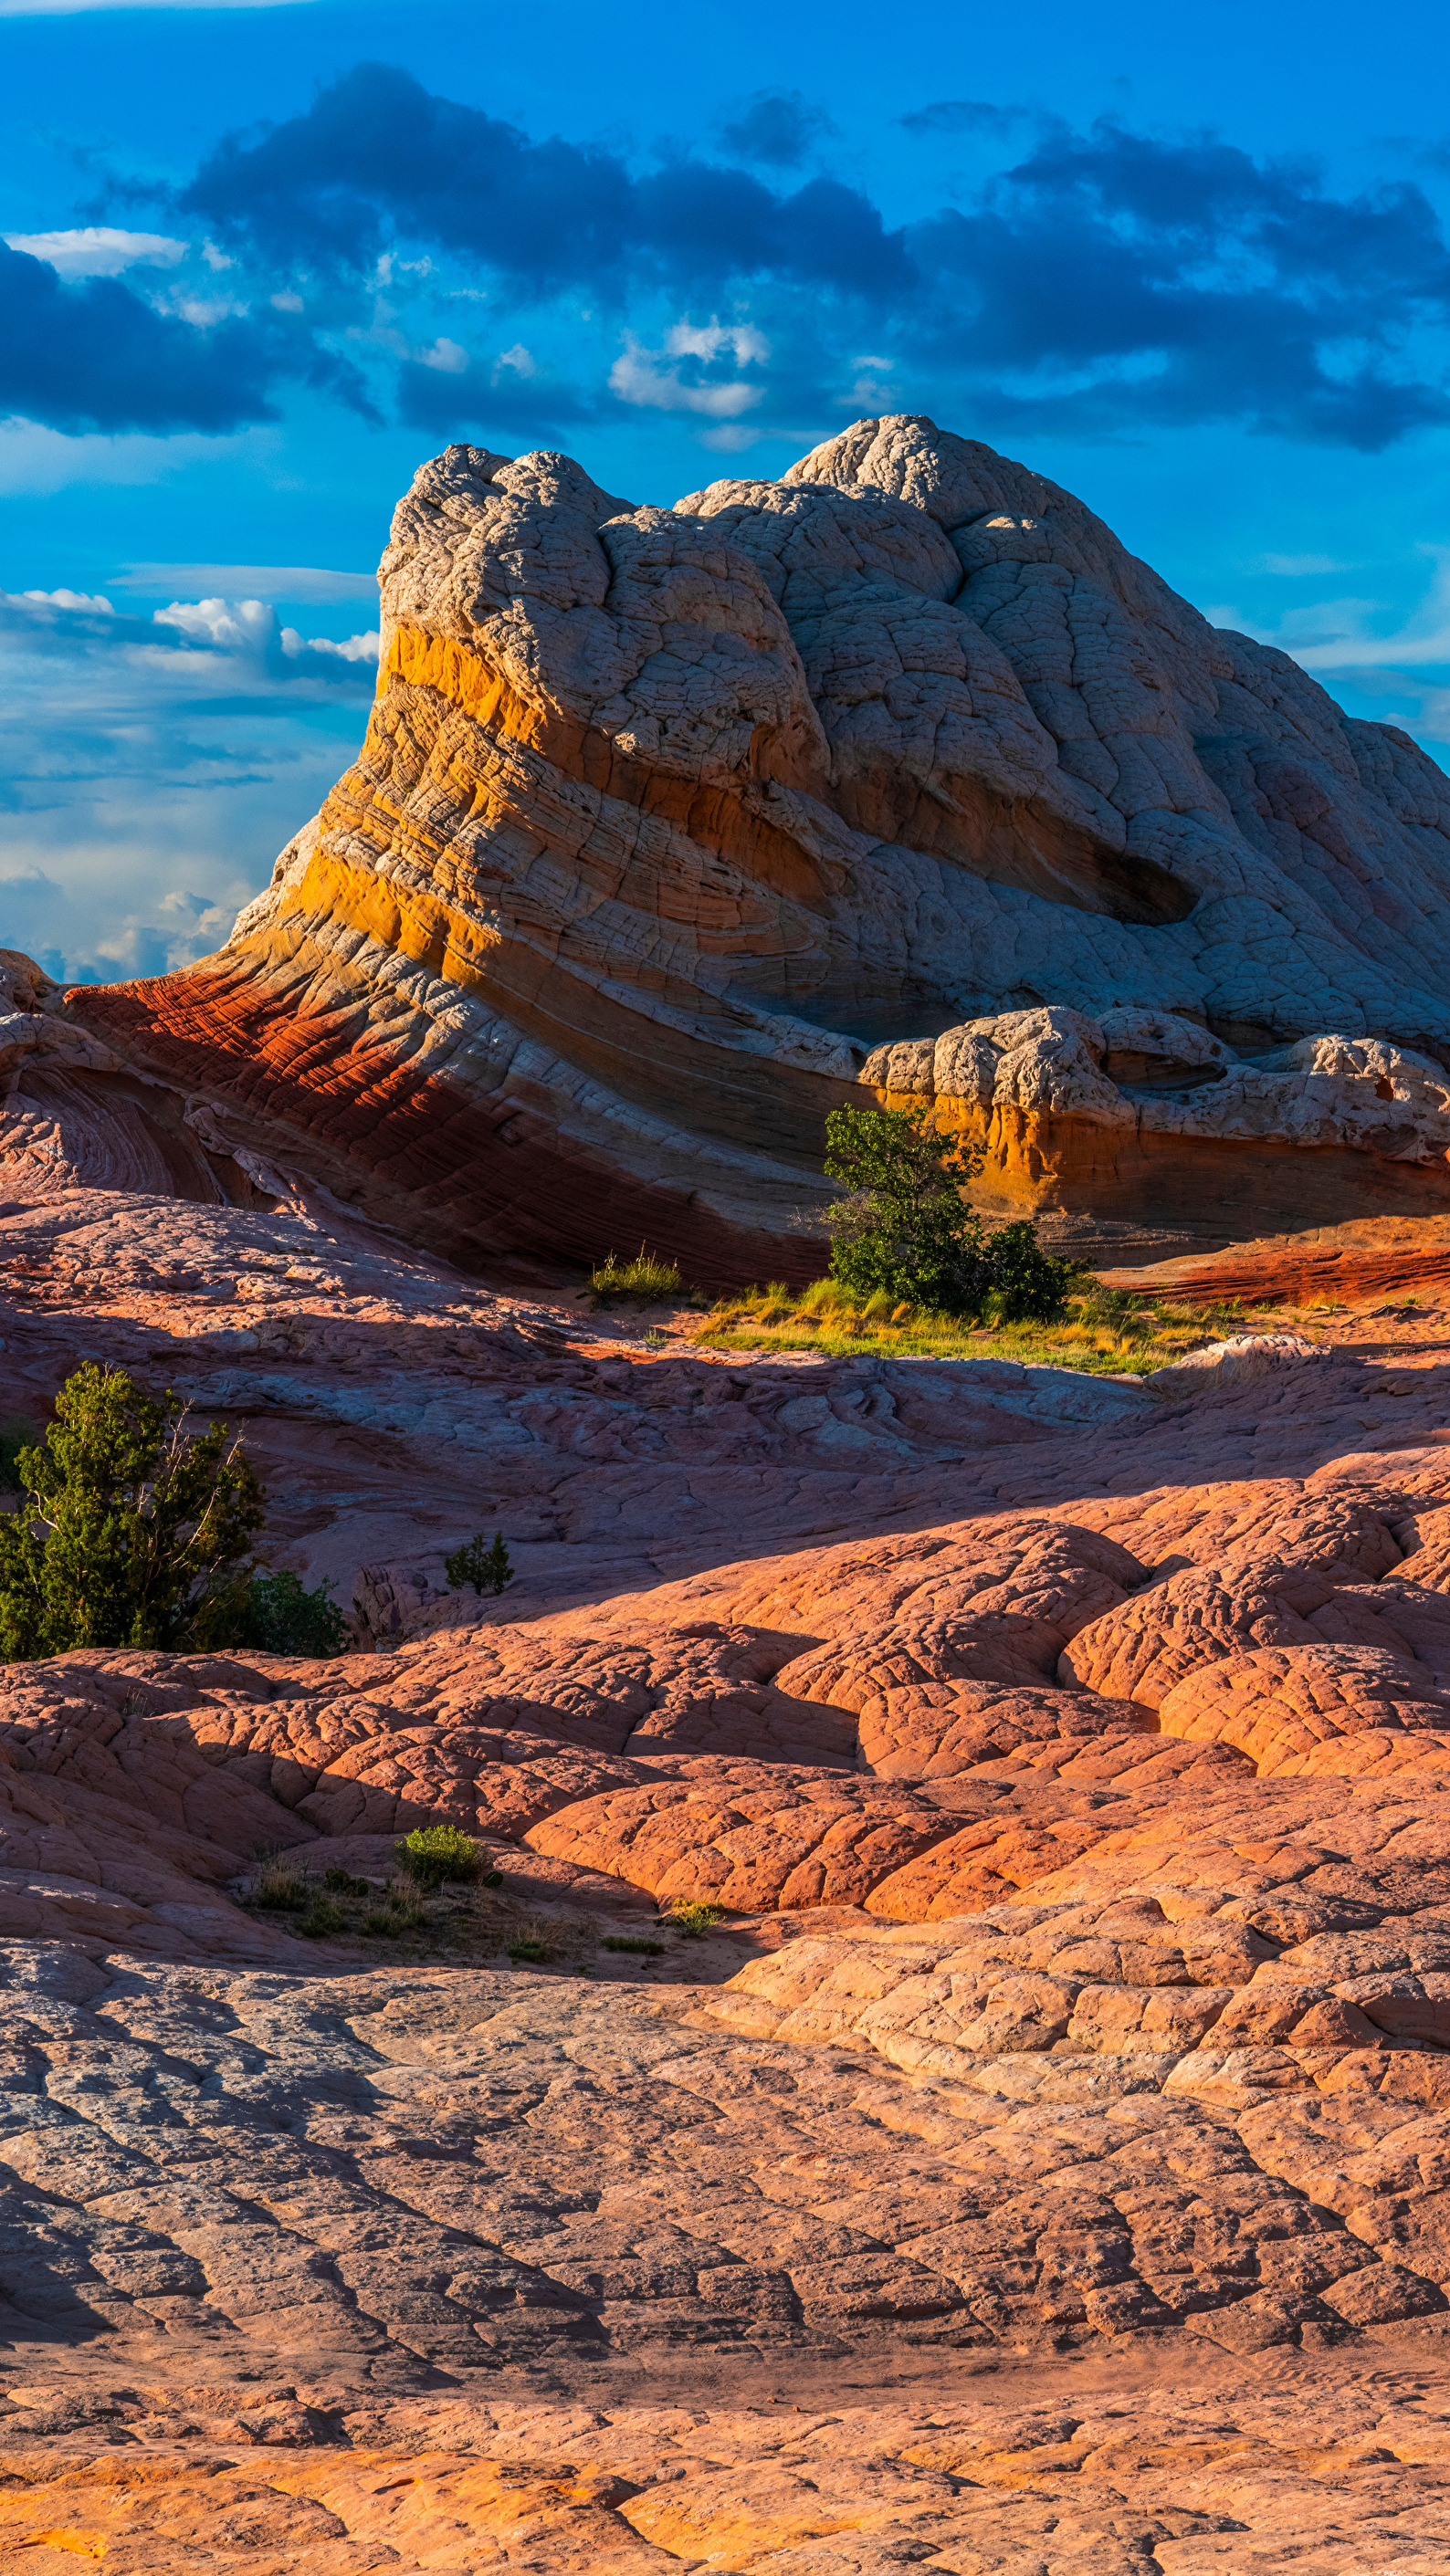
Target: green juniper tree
column 129, row 1530
column 905, row 1230
column 488, row 1569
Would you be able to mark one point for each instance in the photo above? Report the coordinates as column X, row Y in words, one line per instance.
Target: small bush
column 528, row 1954
column 488, row 1569
column 398, row 1915
column 435, row 1852
column 906, row 1235
column 1022, row 1283
column 279, row 1885
column 645, row 1276
column 693, row 1919
column 129, row 1531
column 281, row 1618
column 321, row 1918
column 651, row 1949
column 340, row 1882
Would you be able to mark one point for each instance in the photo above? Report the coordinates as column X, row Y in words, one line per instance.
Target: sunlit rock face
column 897, row 778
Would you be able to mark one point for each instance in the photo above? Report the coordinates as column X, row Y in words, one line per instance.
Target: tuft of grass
column 693, row 1918
column 1106, row 1332
column 321, row 1918
column 434, row 1852
column 646, row 1276
column 528, row 1954
column 650, row 1949
column 279, row 1886
column 397, row 1915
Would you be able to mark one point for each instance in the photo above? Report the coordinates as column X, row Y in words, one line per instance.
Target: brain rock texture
column 673, row 829
column 1042, row 2165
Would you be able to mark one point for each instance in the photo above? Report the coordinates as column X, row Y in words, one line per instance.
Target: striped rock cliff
column 897, row 778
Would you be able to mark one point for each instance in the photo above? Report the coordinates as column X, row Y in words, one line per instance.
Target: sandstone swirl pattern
column 1046, row 2166
column 673, row 829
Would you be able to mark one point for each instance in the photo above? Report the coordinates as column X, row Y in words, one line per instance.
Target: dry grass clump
column 1107, row 1332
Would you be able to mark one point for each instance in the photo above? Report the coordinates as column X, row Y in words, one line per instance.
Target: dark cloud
column 1208, row 286
column 377, row 159
column 776, row 129
column 97, row 357
column 1108, row 281
column 963, row 116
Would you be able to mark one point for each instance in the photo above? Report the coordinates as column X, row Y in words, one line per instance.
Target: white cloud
column 652, row 377
column 289, row 301
column 153, row 766
column 241, row 625
column 519, row 360
column 98, row 250
column 309, row 582
column 249, row 627
column 688, row 340
column 86, row 599
column 446, row 356
column 355, row 648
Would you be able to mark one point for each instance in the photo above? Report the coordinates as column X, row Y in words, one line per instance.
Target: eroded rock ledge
column 674, row 829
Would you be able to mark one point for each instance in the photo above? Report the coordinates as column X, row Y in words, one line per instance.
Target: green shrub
column 488, row 1569
column 340, row 1882
column 1024, row 1284
column 279, row 1886
column 905, row 1233
column 280, row 1618
column 693, row 1919
column 645, row 1276
column 128, row 1532
column 651, row 1949
column 321, row 1918
column 434, row 1852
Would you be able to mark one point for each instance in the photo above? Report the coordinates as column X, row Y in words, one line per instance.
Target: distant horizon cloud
column 311, row 585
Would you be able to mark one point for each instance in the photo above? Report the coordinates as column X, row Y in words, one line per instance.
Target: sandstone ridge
column 898, row 778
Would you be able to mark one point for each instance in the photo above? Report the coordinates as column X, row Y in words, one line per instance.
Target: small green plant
column 322, row 1917
column 279, row 1886
column 282, row 1619
column 528, row 1954
column 488, row 1569
column 646, row 1276
column 398, row 1914
column 432, row 1853
column 650, row 1949
column 693, row 1919
column 129, row 1530
column 340, row 1882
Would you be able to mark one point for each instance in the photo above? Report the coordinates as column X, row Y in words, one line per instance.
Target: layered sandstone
column 896, row 779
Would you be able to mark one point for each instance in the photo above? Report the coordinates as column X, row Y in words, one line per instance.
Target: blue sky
column 258, row 261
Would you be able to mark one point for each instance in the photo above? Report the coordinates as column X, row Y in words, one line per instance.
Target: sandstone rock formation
column 1043, row 2164
column 673, row 829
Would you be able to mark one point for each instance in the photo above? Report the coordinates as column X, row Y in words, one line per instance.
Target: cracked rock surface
column 1043, row 2162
